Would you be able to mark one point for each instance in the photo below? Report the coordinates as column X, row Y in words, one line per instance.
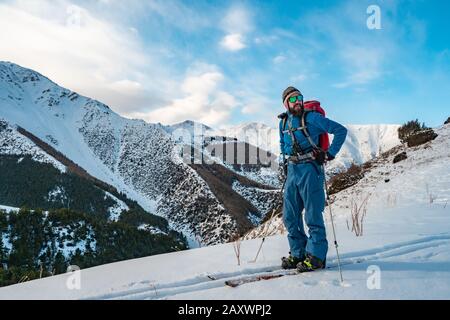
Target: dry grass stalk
column 358, row 213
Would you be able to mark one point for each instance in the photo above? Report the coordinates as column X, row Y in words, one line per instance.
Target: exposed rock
column 346, row 179
column 400, row 157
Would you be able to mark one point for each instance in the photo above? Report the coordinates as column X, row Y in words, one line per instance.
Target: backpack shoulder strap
column 297, row 148
column 305, row 130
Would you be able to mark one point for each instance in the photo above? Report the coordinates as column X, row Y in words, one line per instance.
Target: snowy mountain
column 404, row 248
column 365, row 142
column 139, row 159
column 188, row 126
column 257, row 134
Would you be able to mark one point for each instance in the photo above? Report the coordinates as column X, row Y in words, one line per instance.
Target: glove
column 329, row 156
column 320, row 156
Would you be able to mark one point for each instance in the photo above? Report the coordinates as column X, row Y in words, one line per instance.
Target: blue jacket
column 316, row 124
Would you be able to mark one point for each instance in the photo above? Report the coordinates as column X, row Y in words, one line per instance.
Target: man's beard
column 296, row 109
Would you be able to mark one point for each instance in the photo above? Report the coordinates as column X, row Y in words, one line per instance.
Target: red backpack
column 314, row 106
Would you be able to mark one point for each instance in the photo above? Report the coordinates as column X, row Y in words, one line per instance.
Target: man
column 304, row 188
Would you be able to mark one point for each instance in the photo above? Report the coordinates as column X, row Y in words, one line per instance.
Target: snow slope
column 406, row 239
column 13, row 143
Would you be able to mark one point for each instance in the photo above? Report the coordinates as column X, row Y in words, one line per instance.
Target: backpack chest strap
column 293, row 130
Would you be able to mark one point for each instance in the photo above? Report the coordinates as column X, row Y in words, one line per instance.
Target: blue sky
column 224, row 63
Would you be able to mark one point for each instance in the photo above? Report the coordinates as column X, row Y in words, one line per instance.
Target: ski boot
column 310, row 263
column 290, row 262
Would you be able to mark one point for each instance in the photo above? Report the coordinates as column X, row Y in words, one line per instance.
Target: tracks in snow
column 211, row 281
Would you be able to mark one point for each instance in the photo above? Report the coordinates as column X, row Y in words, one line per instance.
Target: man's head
column 293, row 100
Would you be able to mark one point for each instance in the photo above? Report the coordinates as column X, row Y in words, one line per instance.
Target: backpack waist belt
column 302, row 158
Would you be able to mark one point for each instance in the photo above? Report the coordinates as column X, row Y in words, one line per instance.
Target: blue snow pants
column 304, row 189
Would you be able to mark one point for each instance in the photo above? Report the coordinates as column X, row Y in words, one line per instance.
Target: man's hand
column 319, row 156
column 329, row 156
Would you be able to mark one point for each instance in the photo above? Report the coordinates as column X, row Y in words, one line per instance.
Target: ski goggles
column 294, row 99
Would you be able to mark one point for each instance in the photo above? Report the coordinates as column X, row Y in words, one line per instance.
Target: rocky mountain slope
column 141, row 160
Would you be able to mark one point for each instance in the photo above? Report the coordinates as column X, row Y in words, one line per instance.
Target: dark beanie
column 288, row 91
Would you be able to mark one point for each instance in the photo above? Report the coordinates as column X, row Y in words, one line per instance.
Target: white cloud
column 279, row 59
column 236, row 24
column 233, row 42
column 250, row 108
column 237, row 20
column 256, row 105
column 200, row 99
column 127, row 86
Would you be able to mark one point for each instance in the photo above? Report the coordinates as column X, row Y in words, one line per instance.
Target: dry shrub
column 237, row 248
column 421, row 137
column 358, row 212
column 409, row 128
